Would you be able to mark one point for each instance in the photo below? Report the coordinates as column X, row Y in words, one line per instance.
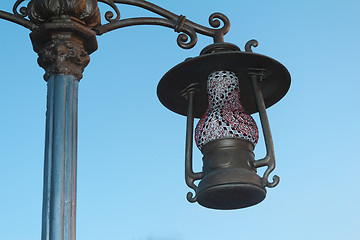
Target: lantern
column 223, row 86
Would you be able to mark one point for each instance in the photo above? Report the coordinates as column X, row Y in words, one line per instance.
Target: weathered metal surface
column 65, row 52
column 87, row 11
column 59, row 198
column 41, row 11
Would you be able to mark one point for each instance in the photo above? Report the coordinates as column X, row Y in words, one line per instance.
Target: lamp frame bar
column 190, row 176
column 259, row 75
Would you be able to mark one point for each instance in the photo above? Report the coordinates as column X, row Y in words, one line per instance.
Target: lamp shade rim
column 195, row 72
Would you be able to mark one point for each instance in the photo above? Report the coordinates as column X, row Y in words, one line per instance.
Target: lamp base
column 241, row 190
column 230, row 180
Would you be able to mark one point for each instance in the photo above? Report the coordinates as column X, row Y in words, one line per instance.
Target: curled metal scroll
column 182, row 39
column 214, row 21
column 109, row 15
column 22, row 12
column 186, row 28
column 250, row 44
column 265, row 179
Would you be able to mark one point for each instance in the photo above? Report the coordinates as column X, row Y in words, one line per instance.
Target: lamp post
column 222, row 86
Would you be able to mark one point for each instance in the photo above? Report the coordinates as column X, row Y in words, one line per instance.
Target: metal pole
column 63, row 46
column 59, row 199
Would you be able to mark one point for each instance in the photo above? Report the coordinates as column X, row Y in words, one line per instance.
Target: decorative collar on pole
column 87, row 11
column 64, row 38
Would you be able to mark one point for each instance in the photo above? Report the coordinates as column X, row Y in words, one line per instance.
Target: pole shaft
column 59, row 196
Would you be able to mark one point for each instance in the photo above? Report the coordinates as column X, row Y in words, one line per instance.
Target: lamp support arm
column 190, row 176
column 269, row 159
column 179, row 23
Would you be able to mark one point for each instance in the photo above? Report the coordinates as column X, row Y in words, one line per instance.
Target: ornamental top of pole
column 87, row 11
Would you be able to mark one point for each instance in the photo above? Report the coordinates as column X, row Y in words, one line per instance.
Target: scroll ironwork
column 179, row 23
column 187, row 29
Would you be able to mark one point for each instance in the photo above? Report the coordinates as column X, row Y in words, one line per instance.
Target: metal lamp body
column 230, row 180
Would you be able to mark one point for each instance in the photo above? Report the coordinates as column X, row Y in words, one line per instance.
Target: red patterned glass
column 225, row 116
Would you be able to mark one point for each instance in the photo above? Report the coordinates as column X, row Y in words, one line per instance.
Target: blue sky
column 131, row 148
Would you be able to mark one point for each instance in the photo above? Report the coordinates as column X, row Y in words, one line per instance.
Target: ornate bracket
column 180, row 24
column 36, row 12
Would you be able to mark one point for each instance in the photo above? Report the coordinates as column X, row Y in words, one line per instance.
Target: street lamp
column 209, row 87
column 222, row 86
